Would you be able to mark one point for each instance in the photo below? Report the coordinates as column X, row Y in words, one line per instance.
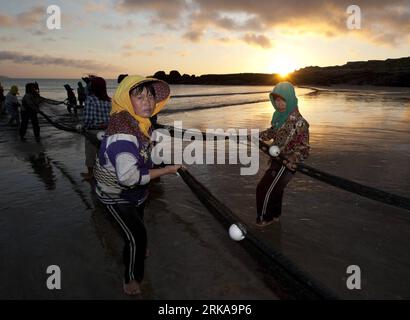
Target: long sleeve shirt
column 11, row 103
column 31, row 102
column 96, row 113
column 292, row 138
column 124, row 161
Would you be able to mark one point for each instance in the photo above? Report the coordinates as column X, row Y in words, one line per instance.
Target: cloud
column 49, row 39
column 384, row 22
column 135, row 53
column 6, row 21
column 259, row 40
column 128, row 46
column 28, row 18
column 128, row 25
column 6, row 39
column 31, row 17
column 92, row 6
column 46, row 60
column 35, row 18
column 165, row 9
column 227, row 21
column 193, row 35
column 38, row 32
column 131, row 52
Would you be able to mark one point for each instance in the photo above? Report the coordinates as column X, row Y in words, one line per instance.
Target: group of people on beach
column 20, row 114
column 122, row 167
column 82, row 93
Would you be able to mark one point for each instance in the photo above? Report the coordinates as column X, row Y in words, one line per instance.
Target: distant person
column 290, row 132
column 81, row 94
column 30, row 107
column 123, row 169
column 2, row 100
column 12, row 106
column 71, row 99
column 121, row 77
column 96, row 116
column 87, row 81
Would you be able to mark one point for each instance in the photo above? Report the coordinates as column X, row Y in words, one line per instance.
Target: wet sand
column 49, row 216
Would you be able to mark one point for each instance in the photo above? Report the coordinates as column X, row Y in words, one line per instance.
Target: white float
column 274, row 151
column 79, row 127
column 100, row 135
column 237, row 232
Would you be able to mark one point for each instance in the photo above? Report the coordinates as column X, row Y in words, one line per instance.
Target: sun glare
column 282, row 66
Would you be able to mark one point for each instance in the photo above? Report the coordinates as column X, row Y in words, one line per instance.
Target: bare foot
column 265, row 223
column 132, row 288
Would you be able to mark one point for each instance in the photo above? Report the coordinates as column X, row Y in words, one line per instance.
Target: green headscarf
column 286, row 91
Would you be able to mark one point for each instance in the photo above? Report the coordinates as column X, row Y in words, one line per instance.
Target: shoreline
column 352, row 87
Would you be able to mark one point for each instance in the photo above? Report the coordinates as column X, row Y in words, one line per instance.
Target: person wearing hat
column 289, row 132
column 123, row 168
column 12, row 106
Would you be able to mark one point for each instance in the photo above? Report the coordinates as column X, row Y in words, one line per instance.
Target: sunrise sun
column 282, row 66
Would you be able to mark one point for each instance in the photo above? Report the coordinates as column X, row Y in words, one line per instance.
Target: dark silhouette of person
column 30, row 107
column 81, row 94
column 71, row 99
column 121, row 77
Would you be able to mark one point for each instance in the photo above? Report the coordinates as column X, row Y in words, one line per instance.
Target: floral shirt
column 292, row 138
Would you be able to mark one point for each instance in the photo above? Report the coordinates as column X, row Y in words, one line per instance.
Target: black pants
column 27, row 115
column 269, row 192
column 130, row 219
column 72, row 106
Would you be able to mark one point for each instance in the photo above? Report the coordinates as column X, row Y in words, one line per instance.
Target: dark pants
column 27, row 115
column 72, row 106
column 130, row 219
column 269, row 192
column 14, row 118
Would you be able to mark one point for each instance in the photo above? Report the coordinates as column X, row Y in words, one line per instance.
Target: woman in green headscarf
column 290, row 133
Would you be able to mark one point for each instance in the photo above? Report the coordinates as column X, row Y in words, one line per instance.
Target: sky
column 197, row 37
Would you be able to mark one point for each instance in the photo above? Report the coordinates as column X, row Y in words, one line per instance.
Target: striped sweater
column 123, row 162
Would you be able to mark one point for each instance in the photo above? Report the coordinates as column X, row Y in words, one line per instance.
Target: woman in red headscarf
column 96, row 117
